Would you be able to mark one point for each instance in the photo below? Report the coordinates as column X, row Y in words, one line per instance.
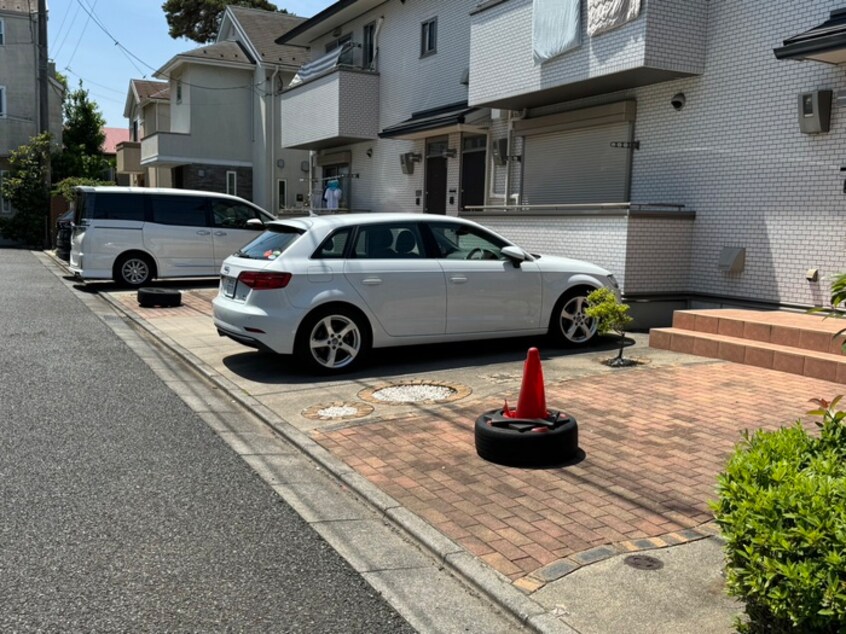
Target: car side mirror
column 516, row 255
column 255, row 223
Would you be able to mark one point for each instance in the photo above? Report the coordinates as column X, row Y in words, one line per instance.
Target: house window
column 133, row 135
column 2, row 102
column 2, row 32
column 346, row 58
column 368, row 46
column 429, row 37
column 232, row 183
column 179, row 91
column 282, row 189
column 5, row 205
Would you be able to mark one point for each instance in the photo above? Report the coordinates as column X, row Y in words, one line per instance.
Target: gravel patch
column 413, row 393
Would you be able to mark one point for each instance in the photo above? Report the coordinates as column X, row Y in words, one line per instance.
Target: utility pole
column 44, row 105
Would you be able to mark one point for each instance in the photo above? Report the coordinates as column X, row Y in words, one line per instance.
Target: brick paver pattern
column 654, row 438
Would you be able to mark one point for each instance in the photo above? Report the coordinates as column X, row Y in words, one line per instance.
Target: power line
column 81, row 35
column 93, row 83
column 68, row 32
column 61, row 26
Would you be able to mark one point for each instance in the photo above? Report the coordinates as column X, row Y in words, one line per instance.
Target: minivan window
column 234, row 215
column 117, row 207
column 186, row 211
column 271, row 244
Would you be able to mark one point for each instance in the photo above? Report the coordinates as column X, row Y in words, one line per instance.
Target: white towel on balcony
column 604, row 15
column 555, row 28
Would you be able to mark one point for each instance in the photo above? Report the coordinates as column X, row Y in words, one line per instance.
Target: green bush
column 782, row 511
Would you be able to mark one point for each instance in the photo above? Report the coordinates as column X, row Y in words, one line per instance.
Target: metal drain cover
column 643, row 562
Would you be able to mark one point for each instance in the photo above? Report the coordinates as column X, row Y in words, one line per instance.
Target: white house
column 681, row 143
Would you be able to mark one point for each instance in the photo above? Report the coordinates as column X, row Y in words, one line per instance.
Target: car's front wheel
column 332, row 340
column 569, row 324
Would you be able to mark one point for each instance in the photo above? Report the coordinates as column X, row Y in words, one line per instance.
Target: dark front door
column 473, row 171
column 436, row 176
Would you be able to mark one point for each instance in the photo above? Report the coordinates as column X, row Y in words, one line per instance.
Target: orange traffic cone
column 532, row 401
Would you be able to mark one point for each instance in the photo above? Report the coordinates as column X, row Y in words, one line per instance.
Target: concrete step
column 796, row 330
column 749, row 351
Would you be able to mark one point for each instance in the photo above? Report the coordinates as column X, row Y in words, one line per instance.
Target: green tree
column 199, row 20
column 26, row 188
column 611, row 316
column 82, row 138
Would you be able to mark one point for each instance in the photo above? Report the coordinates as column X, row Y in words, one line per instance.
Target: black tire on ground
column 134, row 270
column 332, row 340
column 568, row 325
column 159, row 297
column 521, row 445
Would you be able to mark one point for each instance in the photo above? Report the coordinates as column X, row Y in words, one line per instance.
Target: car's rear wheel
column 134, row 269
column 332, row 340
column 569, row 325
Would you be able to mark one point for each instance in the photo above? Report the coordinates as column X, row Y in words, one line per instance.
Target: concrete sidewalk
column 553, row 542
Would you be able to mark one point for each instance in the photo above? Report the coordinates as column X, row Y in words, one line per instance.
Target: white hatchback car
column 330, row 288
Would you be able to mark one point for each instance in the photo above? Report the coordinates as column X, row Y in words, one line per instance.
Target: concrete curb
column 461, row 563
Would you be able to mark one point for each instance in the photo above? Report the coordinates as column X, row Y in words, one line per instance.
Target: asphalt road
column 121, row 510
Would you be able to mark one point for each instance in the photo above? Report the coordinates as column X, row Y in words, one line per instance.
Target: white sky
column 82, row 50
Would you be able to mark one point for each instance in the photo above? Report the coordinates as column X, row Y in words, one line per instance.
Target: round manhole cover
column 415, row 392
column 643, row 562
column 338, row 411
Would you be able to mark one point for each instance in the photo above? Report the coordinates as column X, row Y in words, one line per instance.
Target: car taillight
column 259, row 281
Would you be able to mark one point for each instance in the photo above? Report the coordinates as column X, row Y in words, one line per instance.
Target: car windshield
column 270, row 244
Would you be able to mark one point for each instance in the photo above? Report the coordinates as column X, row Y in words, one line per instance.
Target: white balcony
column 665, row 41
column 337, row 108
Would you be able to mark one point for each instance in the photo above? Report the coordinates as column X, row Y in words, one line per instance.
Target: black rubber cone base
column 518, row 442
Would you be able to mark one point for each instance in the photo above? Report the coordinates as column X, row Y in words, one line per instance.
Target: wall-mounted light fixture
column 369, row 152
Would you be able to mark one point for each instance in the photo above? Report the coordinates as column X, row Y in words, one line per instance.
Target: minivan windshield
column 270, row 244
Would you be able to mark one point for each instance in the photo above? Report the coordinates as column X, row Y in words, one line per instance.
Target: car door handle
column 220, row 233
column 458, row 279
column 371, row 281
column 203, row 233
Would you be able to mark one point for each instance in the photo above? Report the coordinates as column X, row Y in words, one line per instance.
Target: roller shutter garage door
column 577, row 166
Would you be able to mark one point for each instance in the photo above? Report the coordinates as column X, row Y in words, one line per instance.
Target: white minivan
column 133, row 235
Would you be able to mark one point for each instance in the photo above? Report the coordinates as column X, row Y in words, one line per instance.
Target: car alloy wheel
column 573, row 324
column 135, row 271
column 335, row 341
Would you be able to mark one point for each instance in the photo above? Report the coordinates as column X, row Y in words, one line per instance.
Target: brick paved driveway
column 654, row 440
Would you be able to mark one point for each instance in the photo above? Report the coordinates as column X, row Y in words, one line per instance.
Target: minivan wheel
column 133, row 269
column 569, row 324
column 332, row 340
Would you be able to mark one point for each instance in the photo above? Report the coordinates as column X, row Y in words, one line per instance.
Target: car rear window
column 105, row 206
column 270, row 244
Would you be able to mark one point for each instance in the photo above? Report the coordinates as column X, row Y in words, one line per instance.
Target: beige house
column 19, row 96
column 216, row 127
column 148, row 110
